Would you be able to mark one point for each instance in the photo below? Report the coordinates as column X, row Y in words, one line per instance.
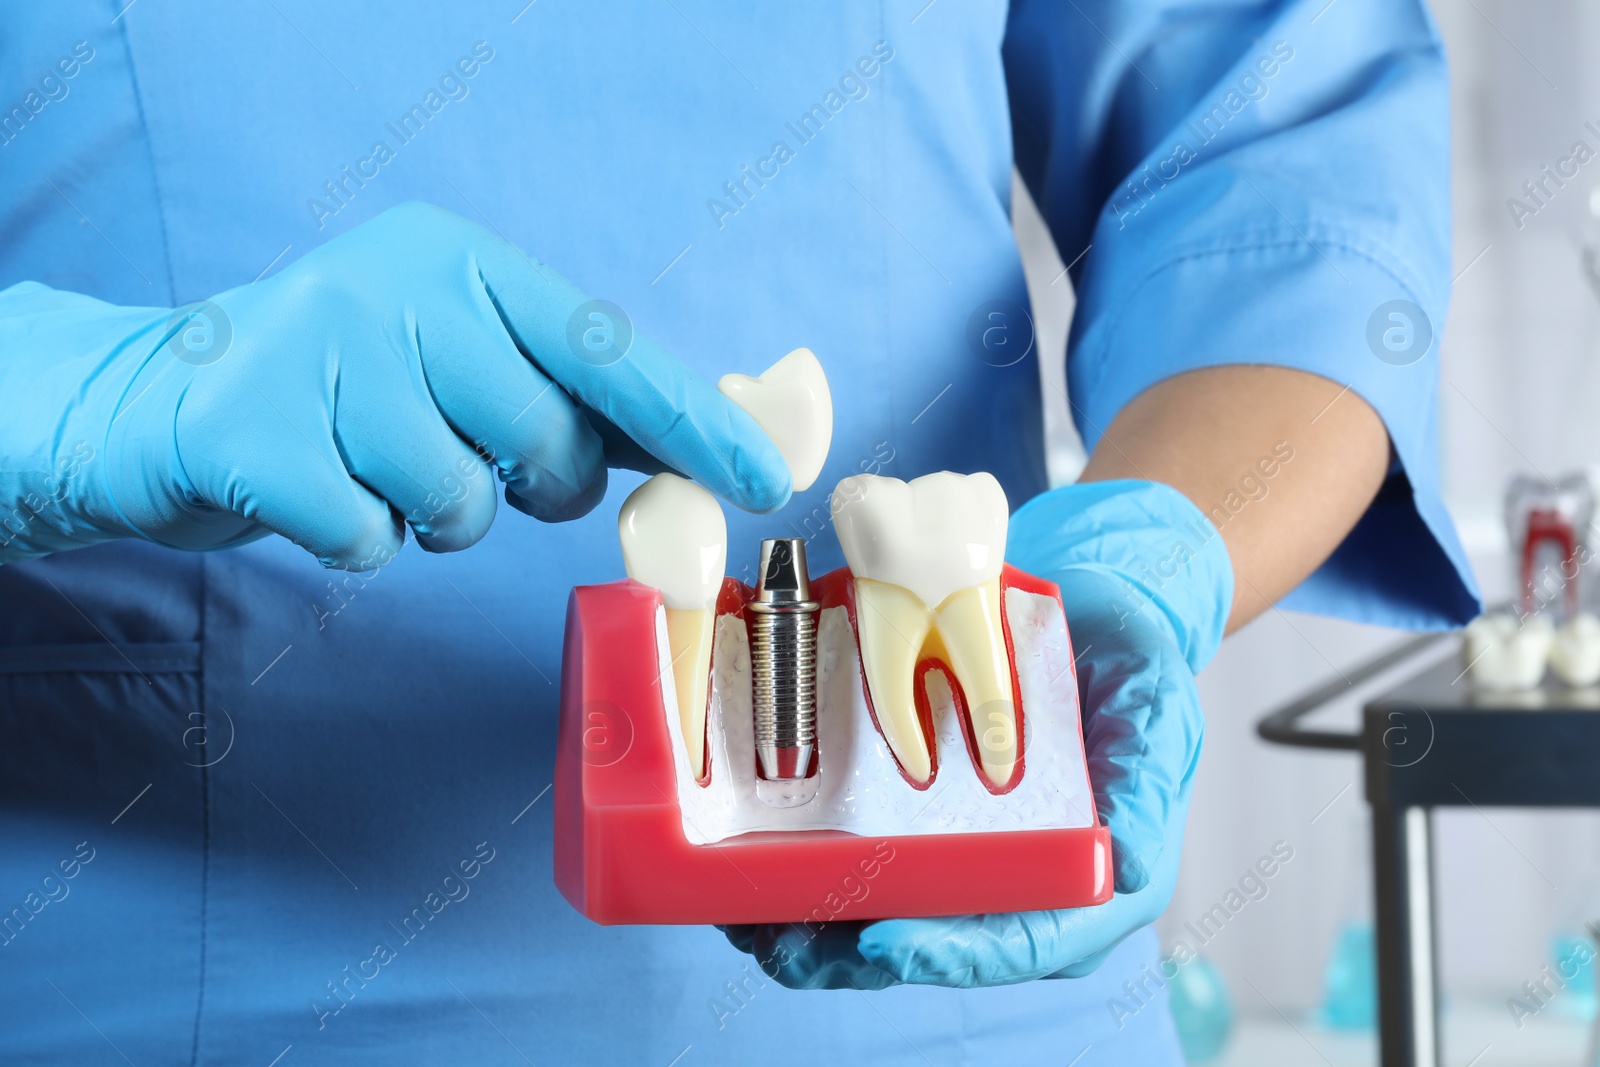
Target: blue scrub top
column 269, row 781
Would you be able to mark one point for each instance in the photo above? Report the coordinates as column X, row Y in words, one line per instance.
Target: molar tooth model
column 895, row 738
column 927, row 557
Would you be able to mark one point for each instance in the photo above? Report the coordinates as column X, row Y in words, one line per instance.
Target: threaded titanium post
column 783, row 661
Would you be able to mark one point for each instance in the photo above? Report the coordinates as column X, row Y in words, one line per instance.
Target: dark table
column 1433, row 741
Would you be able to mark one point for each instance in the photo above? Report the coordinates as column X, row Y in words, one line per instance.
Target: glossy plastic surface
column 621, row 855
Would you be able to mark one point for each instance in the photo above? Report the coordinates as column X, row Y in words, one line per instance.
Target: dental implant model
column 730, row 753
column 783, row 661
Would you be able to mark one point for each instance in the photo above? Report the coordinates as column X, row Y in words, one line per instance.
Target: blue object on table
column 1572, row 958
column 1350, row 982
column 1201, row 1009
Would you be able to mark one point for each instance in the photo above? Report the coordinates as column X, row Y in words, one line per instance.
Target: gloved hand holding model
column 375, row 380
column 1144, row 620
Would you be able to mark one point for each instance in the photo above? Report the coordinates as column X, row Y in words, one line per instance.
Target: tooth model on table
column 1506, row 654
column 925, row 698
column 1575, row 651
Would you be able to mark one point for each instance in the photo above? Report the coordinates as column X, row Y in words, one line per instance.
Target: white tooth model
column 1575, row 651
column 791, row 401
column 927, row 557
column 1504, row 653
column 674, row 537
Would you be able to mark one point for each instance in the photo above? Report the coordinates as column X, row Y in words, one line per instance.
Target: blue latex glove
column 371, row 384
column 1147, row 587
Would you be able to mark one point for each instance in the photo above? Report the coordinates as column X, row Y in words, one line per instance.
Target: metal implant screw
column 783, row 661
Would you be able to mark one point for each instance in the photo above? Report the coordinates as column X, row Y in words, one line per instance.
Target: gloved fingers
column 397, row 444
column 983, row 950
column 1092, row 934
column 1091, row 963
column 622, row 451
column 552, row 461
column 289, row 478
column 1098, row 936
column 740, row 935
column 1142, row 720
column 562, row 473
column 963, row 952
column 804, row 956
column 1142, row 737
column 591, row 350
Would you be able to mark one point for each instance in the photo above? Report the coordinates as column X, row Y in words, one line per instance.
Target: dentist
column 285, row 285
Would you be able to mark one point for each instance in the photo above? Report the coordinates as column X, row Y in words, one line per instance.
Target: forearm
column 1283, row 461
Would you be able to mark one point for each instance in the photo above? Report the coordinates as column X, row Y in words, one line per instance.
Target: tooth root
column 975, row 645
column 892, row 624
column 938, row 541
column 674, row 538
column 689, row 641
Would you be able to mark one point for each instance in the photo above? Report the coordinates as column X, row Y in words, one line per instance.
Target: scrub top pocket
column 103, row 849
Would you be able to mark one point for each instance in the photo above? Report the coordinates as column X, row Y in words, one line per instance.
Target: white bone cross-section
column 859, row 789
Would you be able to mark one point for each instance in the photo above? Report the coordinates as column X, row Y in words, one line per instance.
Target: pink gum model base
column 620, row 853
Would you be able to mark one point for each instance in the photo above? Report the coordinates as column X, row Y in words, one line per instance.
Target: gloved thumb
column 1142, row 723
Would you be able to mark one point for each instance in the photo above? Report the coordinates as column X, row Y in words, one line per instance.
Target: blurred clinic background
column 1519, row 394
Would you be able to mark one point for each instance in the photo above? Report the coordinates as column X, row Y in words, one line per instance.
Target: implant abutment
column 782, row 623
